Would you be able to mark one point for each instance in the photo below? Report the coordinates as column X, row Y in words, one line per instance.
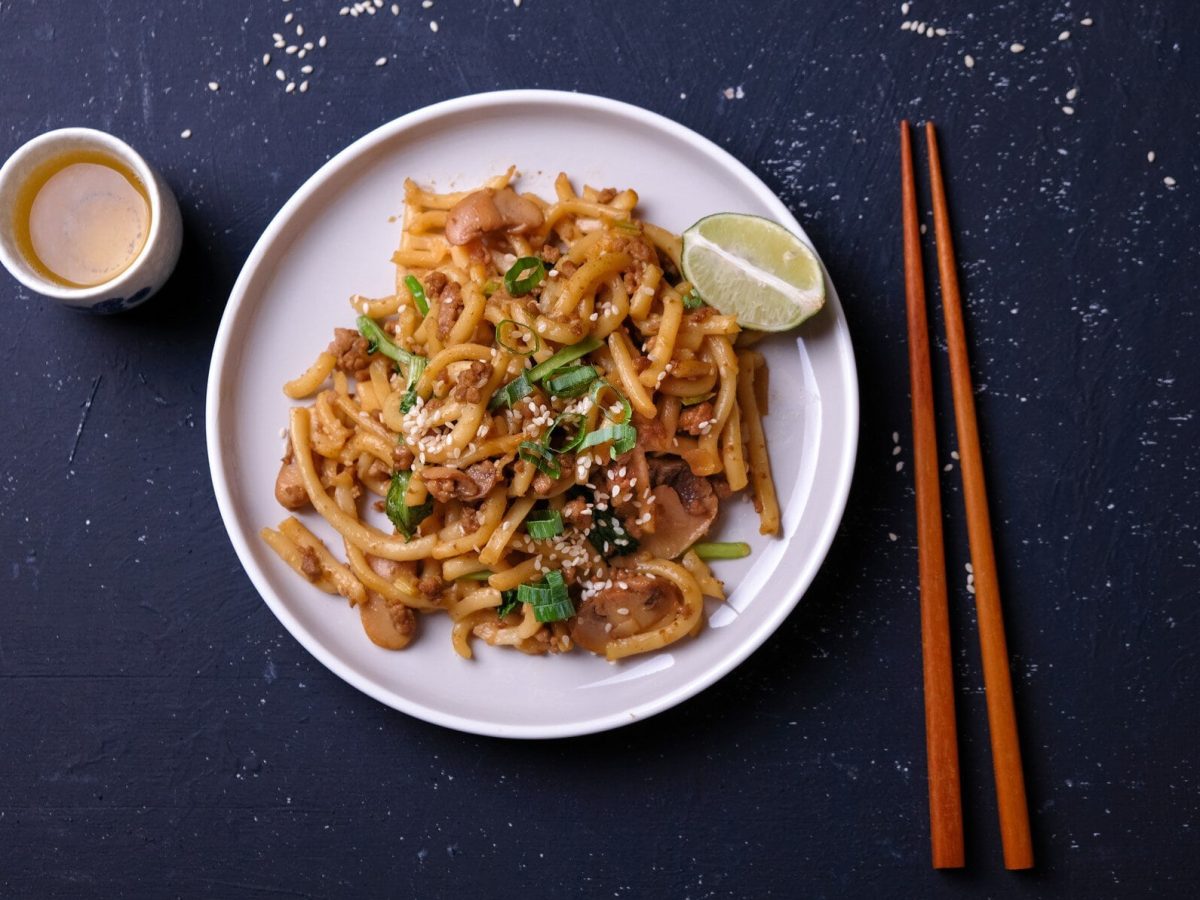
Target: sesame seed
column 213, row 86
column 941, row 32
column 395, row 9
column 954, row 454
column 306, row 70
column 426, row 4
column 899, row 465
column 895, row 451
column 623, row 611
column 299, row 31
column 947, row 467
column 1064, row 35
column 322, row 41
column 266, row 59
column 279, row 74
column 895, row 437
column 892, row 536
column 290, row 49
column 904, row 8
column 277, row 37
column 303, row 53
column 1085, row 22
column 186, row 133
column 433, row 26
column 382, row 61
column 904, row 26
column 1072, row 93
column 291, row 86
column 1016, row 48
column 920, row 28
column 1150, row 156
column 304, row 87
column 1169, row 181
column 969, row 61
column 287, row 20
column 1069, row 110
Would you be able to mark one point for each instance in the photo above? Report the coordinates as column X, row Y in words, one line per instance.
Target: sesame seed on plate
column 969, row 61
column 1150, row 156
column 433, row 26
column 287, row 20
column 1169, row 181
column 322, row 41
column 186, row 133
column 213, row 86
column 1085, row 22
column 306, row 70
column 279, row 74
column 291, row 86
column 1072, row 93
column 1064, row 35
column 1069, row 110
column 1016, row 48
column 303, row 87
column 382, row 61
column 266, row 59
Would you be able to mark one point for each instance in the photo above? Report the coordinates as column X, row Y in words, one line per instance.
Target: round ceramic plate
column 335, row 237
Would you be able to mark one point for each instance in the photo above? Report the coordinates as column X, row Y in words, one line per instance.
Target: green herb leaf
column 526, row 274
column 544, row 524
column 692, row 300
column 481, row 575
column 418, row 293
column 406, row 518
column 508, row 602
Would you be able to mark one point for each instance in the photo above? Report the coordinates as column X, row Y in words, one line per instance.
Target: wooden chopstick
column 1002, row 719
column 941, row 740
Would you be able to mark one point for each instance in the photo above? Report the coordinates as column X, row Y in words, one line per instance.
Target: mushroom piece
column 635, row 604
column 685, row 507
column 490, row 210
column 289, row 485
column 391, row 626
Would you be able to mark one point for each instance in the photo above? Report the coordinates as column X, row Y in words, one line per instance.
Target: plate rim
column 238, row 303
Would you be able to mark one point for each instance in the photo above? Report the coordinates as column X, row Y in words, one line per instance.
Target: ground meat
column 634, row 604
column 608, row 195
column 652, row 434
column 641, row 364
column 310, row 565
column 566, row 268
column 701, row 313
column 485, row 475
column 402, row 458
column 450, row 307
column 435, row 283
column 695, row 493
column 550, row 254
column 721, row 487
column 577, row 513
column 350, row 348
column 694, row 419
column 470, row 381
column 430, row 586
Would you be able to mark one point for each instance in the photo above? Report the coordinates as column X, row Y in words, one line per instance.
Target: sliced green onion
column 622, row 437
column 570, row 381
column 542, row 458
column 490, row 288
column 562, row 357
column 543, row 524
column 692, row 300
column 508, row 602
column 509, row 394
column 517, row 282
column 627, row 226
column 549, row 598
column 699, row 398
column 406, row 518
column 411, row 364
column 481, row 575
column 418, row 293
column 626, row 407
column 504, row 335
column 722, row 550
column 574, row 441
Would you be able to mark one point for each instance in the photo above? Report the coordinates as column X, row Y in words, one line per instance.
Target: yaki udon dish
column 549, row 416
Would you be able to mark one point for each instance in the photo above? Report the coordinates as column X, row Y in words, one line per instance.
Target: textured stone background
column 161, row 735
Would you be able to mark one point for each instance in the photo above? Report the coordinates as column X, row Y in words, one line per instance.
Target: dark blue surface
column 161, row 735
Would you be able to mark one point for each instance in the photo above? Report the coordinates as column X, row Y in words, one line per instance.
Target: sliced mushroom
column 490, row 210
column 635, row 604
column 685, row 507
column 391, row 626
column 289, row 485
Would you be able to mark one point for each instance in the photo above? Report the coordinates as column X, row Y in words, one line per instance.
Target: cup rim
column 20, row 269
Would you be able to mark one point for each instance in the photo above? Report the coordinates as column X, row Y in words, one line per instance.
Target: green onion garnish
column 692, row 300
column 542, row 458
column 517, row 282
column 509, row 394
column 508, row 602
column 597, row 398
column 418, row 293
column 549, row 598
column 406, row 518
column 570, row 381
column 481, row 575
column 627, row 226
column 504, row 335
column 490, row 288
column 411, row 364
column 574, row 441
column 722, row 550
column 543, row 524
column 562, row 357
column 699, row 398
column 622, row 437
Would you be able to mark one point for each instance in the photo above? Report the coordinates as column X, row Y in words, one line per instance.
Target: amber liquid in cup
column 82, row 218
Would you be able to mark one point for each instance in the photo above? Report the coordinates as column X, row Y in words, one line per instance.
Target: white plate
column 334, row 238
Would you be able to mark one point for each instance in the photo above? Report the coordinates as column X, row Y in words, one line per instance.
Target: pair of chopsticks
column 945, row 799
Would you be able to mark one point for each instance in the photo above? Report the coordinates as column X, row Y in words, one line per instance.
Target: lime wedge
column 752, row 268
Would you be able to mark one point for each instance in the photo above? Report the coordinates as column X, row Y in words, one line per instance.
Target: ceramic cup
column 153, row 265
